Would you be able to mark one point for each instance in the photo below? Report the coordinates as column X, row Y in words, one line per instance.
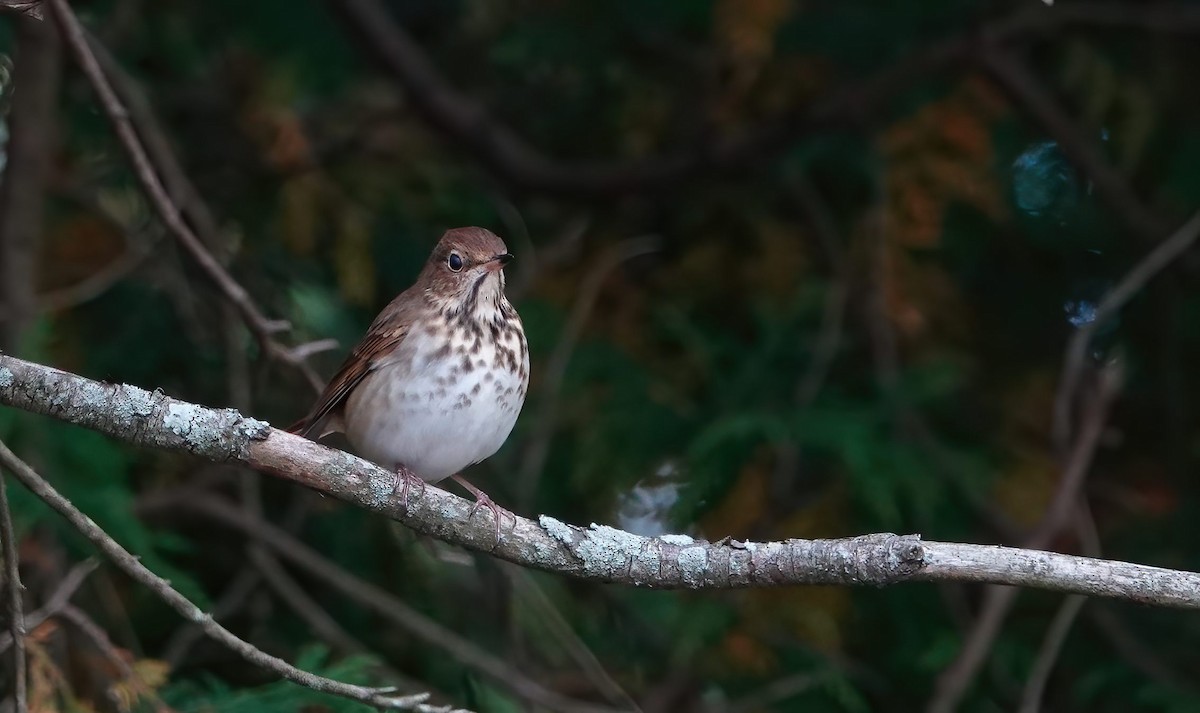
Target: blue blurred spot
column 1080, row 312
column 1044, row 182
column 1084, row 299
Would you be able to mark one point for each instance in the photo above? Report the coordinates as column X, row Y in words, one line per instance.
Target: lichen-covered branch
column 597, row 552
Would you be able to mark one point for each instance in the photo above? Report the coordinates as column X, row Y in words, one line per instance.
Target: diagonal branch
column 1019, row 81
column 469, row 125
column 12, row 587
column 385, row 605
column 953, row 682
column 59, row 598
column 132, row 566
column 260, row 325
column 29, row 150
column 598, row 552
column 100, row 640
column 1145, row 270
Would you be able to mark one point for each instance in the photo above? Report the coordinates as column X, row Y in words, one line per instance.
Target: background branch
column 14, row 592
column 131, row 565
column 28, row 164
column 147, row 175
column 469, row 125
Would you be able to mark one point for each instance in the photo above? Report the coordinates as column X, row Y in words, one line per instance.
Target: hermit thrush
column 437, row 382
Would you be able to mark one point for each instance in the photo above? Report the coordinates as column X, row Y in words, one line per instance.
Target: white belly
column 436, row 416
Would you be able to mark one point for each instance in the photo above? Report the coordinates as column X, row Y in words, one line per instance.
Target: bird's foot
column 404, row 483
column 483, row 500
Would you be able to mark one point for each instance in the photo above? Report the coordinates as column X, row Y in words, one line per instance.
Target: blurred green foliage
column 960, row 236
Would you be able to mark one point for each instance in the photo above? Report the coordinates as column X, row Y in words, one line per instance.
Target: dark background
column 787, row 269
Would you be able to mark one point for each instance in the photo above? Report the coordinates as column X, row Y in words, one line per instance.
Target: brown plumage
column 437, row 382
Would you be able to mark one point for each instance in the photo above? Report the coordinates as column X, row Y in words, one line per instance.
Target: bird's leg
column 404, row 480
column 482, row 500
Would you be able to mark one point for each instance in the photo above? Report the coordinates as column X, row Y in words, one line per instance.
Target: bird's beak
column 499, row 261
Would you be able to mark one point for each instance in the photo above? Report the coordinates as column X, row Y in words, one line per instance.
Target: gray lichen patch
column 180, row 418
column 6, row 378
column 137, row 403
column 680, row 540
column 557, row 529
column 252, row 428
column 607, row 552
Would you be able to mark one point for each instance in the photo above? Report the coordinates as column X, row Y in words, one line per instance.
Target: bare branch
column 553, row 619
column 386, row 605
column 13, row 588
column 1155, row 262
column 260, row 325
column 1056, row 636
column 100, row 640
column 597, row 552
column 55, row 602
column 1111, row 185
column 501, row 150
column 954, row 681
column 30, row 159
column 132, row 566
column 556, row 369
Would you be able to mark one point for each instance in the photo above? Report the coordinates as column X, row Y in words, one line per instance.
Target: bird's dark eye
column 455, row 262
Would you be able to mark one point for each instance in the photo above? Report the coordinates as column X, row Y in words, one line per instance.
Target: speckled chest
column 448, row 398
column 481, row 361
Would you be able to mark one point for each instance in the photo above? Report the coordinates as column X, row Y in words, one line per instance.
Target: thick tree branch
column 597, row 552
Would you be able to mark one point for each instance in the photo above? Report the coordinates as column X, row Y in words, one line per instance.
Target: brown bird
column 437, row 382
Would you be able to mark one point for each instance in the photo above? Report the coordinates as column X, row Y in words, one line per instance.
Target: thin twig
column 779, row 690
column 530, row 472
column 829, row 336
column 132, row 566
column 293, row 595
column 13, row 588
column 470, row 126
column 55, row 602
column 100, row 639
column 118, row 115
column 32, row 120
column 1056, row 636
column 237, row 593
column 386, row 605
column 314, row 615
column 1113, row 188
column 1146, row 659
column 1145, row 270
column 231, row 599
column 553, row 619
column 262, row 327
column 953, row 682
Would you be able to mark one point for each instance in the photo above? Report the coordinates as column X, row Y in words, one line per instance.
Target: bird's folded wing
column 375, row 349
